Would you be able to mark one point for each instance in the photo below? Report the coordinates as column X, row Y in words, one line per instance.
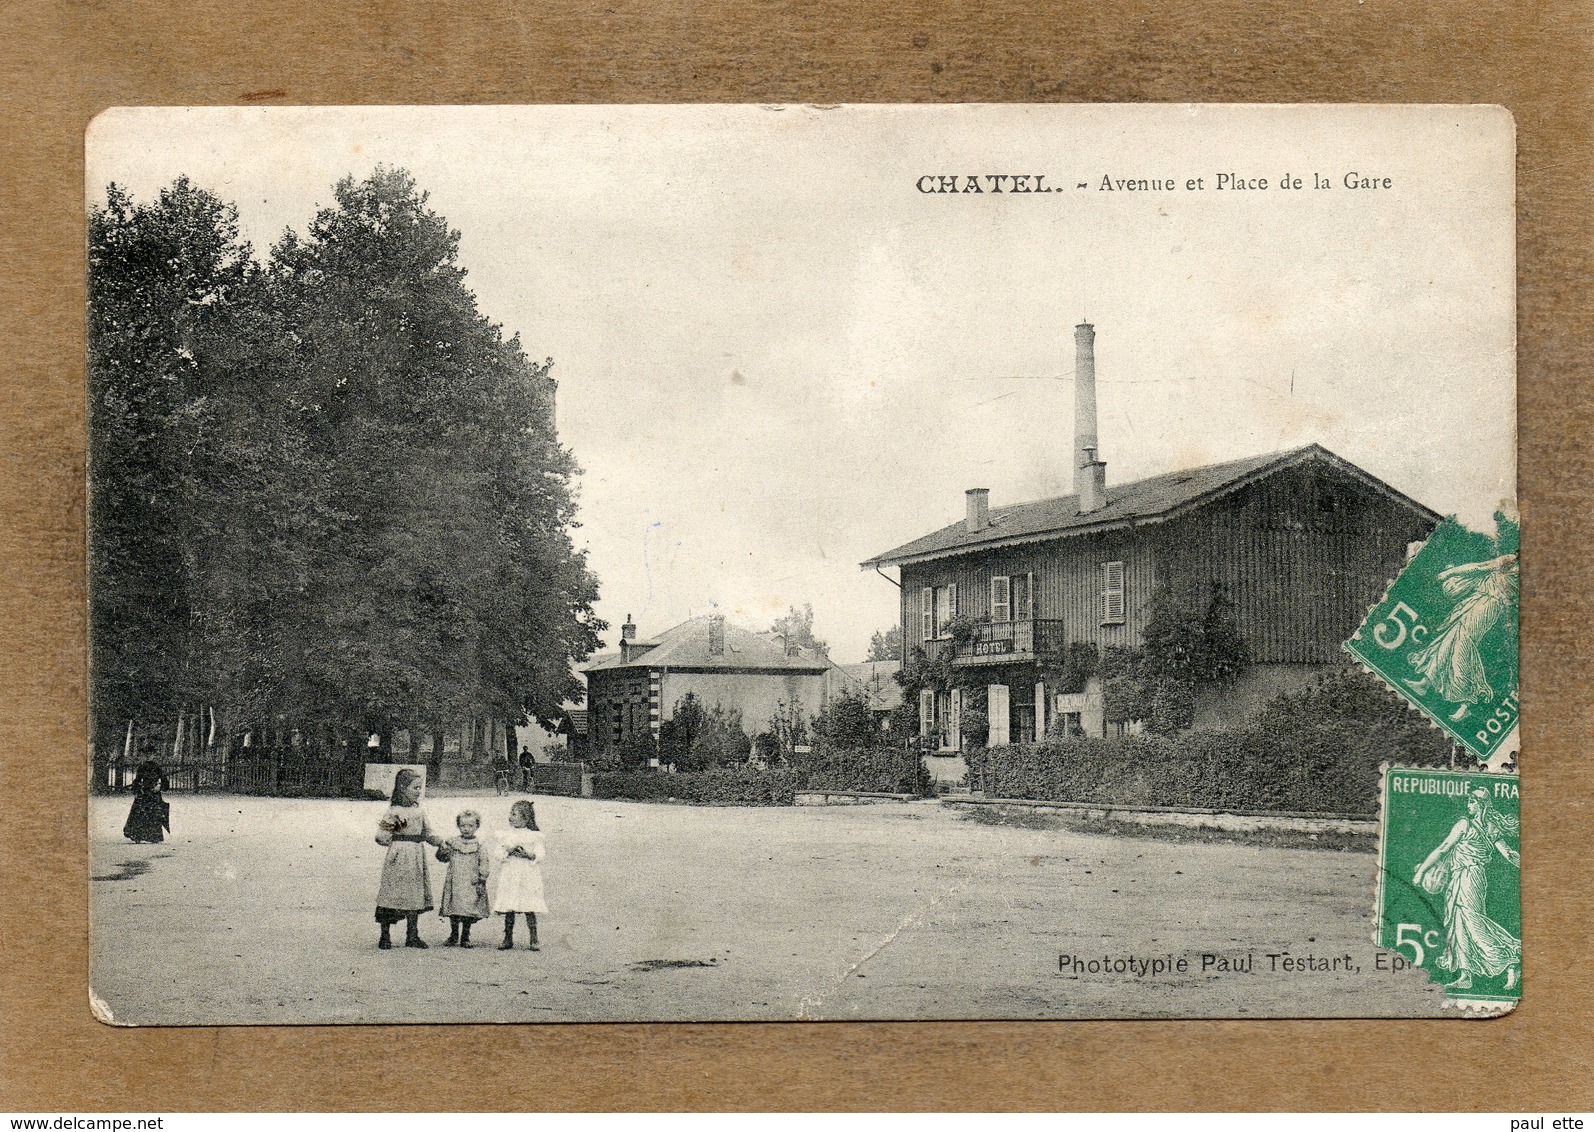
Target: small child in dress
column 406, row 890
column 517, row 873
column 465, row 884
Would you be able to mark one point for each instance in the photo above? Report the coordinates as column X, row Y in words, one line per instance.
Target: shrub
column 697, row 739
column 1319, row 750
column 880, row 770
column 788, row 730
column 847, row 722
column 631, row 754
column 738, row 786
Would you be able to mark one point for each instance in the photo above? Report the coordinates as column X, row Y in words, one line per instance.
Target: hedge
column 738, row 786
column 884, row 770
column 879, row 770
column 1322, row 768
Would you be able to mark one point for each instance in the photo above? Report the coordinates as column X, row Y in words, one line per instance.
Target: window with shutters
column 926, row 713
column 946, row 608
column 1112, row 593
column 1023, row 591
column 996, row 699
column 927, row 614
column 1001, row 603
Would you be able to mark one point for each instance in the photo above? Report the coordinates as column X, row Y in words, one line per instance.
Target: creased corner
column 102, row 1010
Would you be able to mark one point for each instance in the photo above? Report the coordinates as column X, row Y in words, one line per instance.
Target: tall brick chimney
column 978, row 514
column 1090, row 473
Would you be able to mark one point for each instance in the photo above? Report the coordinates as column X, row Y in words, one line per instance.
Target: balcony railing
column 1011, row 640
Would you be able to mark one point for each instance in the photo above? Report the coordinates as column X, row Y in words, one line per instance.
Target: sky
column 778, row 357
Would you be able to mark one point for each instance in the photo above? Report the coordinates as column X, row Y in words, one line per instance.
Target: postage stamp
column 1445, row 634
column 1449, row 880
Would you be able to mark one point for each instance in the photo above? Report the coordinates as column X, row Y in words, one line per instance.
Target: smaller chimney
column 978, row 513
column 628, row 630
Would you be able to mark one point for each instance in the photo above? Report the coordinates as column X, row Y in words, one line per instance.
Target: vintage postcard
column 683, row 563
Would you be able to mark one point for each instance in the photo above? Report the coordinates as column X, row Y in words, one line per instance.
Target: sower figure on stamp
column 1474, row 943
column 406, row 890
column 1450, row 664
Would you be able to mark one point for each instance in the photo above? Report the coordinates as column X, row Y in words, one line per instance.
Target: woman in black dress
column 150, row 813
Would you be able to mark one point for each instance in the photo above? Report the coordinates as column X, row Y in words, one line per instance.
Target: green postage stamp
column 1445, row 634
column 1449, row 886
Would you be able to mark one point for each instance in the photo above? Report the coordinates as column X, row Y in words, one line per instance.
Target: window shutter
column 926, row 712
column 997, row 710
column 951, row 601
column 954, row 738
column 927, row 613
column 1029, row 598
column 1001, row 604
column 1112, row 593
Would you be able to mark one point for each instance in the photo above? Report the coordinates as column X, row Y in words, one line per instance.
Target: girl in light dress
column 517, row 873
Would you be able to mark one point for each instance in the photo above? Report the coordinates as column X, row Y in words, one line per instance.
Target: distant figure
column 503, row 773
column 406, row 890
column 517, row 873
column 464, row 899
column 151, row 813
column 527, row 762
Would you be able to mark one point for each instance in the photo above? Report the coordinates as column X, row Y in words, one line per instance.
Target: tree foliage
column 847, row 722
column 1184, row 649
column 886, row 645
column 797, row 629
column 324, row 490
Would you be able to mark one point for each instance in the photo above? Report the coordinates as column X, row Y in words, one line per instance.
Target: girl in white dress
column 517, row 873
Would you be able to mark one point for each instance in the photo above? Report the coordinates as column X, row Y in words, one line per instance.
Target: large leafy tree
column 325, row 493
column 448, row 584
column 199, row 487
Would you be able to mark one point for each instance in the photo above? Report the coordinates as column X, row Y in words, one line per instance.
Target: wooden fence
column 267, row 774
column 572, row 779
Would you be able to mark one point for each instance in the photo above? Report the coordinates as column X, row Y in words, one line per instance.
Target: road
column 259, row 910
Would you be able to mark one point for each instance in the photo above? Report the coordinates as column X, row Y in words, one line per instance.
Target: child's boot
column 464, row 933
column 386, row 942
column 509, row 932
column 412, row 931
column 531, row 924
column 453, row 932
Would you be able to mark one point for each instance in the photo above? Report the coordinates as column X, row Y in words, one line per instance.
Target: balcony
column 1002, row 642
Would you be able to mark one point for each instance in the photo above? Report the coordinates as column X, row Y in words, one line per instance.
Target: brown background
column 63, row 62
